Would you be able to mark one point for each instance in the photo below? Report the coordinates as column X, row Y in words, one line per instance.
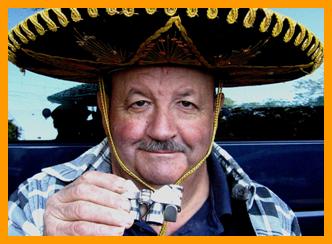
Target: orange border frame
column 5, row 4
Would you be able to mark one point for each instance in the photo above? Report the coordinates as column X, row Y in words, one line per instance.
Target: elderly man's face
column 161, row 120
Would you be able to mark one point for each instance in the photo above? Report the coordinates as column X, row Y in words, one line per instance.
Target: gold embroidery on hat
column 112, row 11
column 75, row 15
column 313, row 47
column 212, row 13
column 241, row 56
column 291, row 30
column 11, row 46
column 278, row 26
column 232, row 16
column 190, row 43
column 61, row 17
column 304, row 38
column 12, row 39
column 11, row 56
column 102, row 51
column 250, row 18
column 319, row 59
column 20, row 35
column 170, row 11
column 192, row 12
column 10, row 53
column 165, row 46
column 300, row 36
column 150, row 11
column 128, row 12
column 50, row 24
column 39, row 28
column 93, row 12
column 25, row 28
column 313, row 57
column 266, row 22
column 307, row 41
column 70, row 68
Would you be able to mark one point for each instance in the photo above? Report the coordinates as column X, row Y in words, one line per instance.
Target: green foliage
column 14, row 132
column 228, row 102
column 272, row 123
column 309, row 92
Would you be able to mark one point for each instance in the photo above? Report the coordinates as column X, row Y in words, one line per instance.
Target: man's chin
column 158, row 180
column 161, row 170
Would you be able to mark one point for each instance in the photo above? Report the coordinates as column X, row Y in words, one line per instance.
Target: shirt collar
column 242, row 187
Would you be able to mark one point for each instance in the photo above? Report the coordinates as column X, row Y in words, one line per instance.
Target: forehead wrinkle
column 159, row 75
column 185, row 92
column 155, row 80
column 136, row 82
column 141, row 91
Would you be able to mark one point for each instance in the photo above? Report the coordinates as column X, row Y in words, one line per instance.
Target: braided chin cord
column 105, row 116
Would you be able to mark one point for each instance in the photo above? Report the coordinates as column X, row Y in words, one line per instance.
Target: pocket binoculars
column 155, row 207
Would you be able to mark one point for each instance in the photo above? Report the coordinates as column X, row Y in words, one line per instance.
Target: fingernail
column 126, row 223
column 129, row 223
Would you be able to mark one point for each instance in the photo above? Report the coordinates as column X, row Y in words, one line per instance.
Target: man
column 160, row 114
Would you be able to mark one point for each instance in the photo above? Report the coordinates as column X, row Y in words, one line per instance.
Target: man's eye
column 187, row 104
column 139, row 104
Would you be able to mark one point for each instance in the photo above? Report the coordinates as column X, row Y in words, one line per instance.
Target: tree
column 308, row 91
column 14, row 132
column 228, row 102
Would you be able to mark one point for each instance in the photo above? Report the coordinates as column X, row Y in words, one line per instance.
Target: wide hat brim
column 84, row 94
column 246, row 46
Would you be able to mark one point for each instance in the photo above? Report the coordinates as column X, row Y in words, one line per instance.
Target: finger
column 104, row 180
column 84, row 228
column 87, row 211
column 95, row 194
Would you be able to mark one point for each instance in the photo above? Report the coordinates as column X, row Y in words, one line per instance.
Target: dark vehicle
column 293, row 168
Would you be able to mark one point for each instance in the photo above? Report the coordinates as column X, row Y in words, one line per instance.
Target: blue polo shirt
column 207, row 221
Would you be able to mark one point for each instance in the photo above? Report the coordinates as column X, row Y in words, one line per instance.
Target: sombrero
column 84, row 94
column 245, row 46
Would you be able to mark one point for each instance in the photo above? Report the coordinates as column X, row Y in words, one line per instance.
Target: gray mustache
column 155, row 146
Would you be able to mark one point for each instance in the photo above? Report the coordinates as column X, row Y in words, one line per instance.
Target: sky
column 313, row 19
column 25, row 105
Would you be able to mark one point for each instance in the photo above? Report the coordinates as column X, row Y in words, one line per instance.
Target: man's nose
column 161, row 126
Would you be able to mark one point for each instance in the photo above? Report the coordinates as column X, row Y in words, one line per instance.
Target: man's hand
column 91, row 205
